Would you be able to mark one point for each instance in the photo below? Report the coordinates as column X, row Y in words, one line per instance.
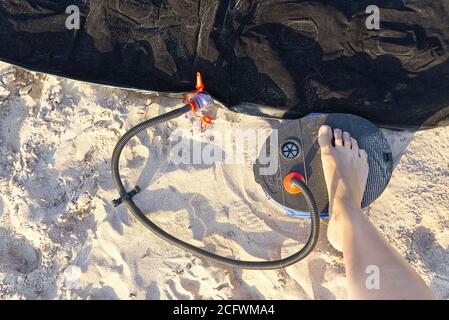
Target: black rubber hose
column 258, row 265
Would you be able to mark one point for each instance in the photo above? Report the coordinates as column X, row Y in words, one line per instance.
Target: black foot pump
column 297, row 186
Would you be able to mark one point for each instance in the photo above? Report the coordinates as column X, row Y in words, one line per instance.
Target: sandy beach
column 61, row 238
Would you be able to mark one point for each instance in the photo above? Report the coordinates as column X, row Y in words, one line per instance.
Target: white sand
column 61, row 238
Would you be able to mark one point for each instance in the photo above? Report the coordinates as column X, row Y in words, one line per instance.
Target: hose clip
column 127, row 196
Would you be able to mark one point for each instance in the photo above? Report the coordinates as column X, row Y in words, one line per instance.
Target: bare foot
column 346, row 172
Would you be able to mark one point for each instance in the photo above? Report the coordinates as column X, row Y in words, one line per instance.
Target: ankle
column 344, row 208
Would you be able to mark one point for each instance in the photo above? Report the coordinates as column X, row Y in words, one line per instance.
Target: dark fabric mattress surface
column 269, row 57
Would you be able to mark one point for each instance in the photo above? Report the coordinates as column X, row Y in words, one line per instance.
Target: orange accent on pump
column 199, row 82
column 188, row 96
column 205, row 121
column 192, row 106
column 287, row 183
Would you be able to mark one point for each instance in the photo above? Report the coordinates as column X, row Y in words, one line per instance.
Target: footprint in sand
column 17, row 254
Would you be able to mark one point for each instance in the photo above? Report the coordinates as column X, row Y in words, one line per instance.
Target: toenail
column 324, row 129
